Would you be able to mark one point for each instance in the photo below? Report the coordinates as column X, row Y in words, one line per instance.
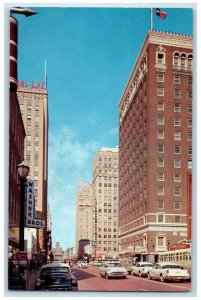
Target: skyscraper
column 84, row 213
column 105, row 201
column 155, row 128
column 33, row 102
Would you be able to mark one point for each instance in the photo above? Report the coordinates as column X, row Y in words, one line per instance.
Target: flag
column 161, row 14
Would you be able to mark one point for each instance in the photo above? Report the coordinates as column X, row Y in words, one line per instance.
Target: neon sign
column 32, row 84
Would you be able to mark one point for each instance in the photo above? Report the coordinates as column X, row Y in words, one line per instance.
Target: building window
column 189, row 164
column 160, row 162
column 160, row 218
column 189, row 136
column 176, row 59
column 177, row 205
column 160, row 134
column 177, row 149
column 190, row 108
column 160, row 106
column 176, row 93
column 190, row 150
column 177, row 163
column 160, row 204
column 160, row 148
column 160, row 120
column 176, row 79
column 177, row 136
column 183, row 60
column 160, row 77
column 177, row 219
column 160, row 92
column 177, row 121
column 189, row 95
column 160, row 190
column 177, row 107
column 160, row 177
column 160, row 241
column 160, row 57
column 189, row 122
column 177, row 191
column 177, row 177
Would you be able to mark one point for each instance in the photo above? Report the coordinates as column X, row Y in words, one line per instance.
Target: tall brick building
column 155, row 155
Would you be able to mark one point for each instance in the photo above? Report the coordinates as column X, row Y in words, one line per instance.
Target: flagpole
column 151, row 12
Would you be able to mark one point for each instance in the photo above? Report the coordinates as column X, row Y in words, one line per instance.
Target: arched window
column 160, row 55
column 190, row 61
column 183, row 60
column 176, row 59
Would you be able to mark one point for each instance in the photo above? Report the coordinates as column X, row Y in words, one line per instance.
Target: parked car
column 56, row 277
column 168, row 271
column 112, row 270
column 16, row 281
column 82, row 264
column 141, row 268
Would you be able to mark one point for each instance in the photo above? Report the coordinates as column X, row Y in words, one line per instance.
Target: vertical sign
column 30, row 220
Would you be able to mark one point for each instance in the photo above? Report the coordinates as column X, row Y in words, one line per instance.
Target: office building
column 155, row 155
column 33, row 100
column 105, row 201
column 84, row 213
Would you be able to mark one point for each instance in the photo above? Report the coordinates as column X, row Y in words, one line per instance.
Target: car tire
column 148, row 276
column 162, row 278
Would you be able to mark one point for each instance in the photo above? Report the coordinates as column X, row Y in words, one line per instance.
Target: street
column 90, row 280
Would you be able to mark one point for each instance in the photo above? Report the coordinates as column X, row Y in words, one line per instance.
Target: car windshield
column 113, row 265
column 47, row 271
column 147, row 265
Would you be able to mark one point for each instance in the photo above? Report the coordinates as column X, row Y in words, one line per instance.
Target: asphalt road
column 90, row 280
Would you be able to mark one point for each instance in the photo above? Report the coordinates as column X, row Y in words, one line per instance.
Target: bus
column 181, row 257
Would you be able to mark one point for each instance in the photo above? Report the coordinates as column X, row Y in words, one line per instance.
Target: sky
column 89, row 53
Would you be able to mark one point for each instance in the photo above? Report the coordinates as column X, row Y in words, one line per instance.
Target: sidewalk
column 30, row 278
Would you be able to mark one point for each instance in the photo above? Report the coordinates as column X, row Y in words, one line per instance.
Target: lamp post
column 23, row 171
column 23, row 11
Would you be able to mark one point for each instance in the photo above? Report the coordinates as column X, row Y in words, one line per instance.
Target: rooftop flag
column 161, row 14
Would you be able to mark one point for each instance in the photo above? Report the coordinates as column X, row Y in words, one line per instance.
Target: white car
column 141, row 268
column 168, row 271
column 82, row 264
column 112, row 270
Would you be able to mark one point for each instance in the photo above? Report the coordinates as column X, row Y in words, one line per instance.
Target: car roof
column 51, row 265
column 145, row 262
column 167, row 263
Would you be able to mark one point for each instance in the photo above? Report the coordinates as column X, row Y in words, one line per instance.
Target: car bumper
column 116, row 275
column 177, row 277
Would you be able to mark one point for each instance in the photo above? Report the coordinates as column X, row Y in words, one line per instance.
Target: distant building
column 155, row 154
column 84, row 213
column 33, row 100
column 57, row 252
column 105, row 201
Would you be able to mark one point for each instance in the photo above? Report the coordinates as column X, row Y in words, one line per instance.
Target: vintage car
column 141, row 268
column 112, row 270
column 82, row 264
column 56, row 277
column 168, row 271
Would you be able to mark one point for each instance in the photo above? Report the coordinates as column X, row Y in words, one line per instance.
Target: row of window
column 176, row 79
column 176, row 93
column 177, row 149
column 177, row 121
column 177, row 135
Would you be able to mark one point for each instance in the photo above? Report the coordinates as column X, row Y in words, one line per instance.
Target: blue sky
column 90, row 53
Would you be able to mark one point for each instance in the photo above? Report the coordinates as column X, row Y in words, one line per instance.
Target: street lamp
column 23, row 171
column 23, row 11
